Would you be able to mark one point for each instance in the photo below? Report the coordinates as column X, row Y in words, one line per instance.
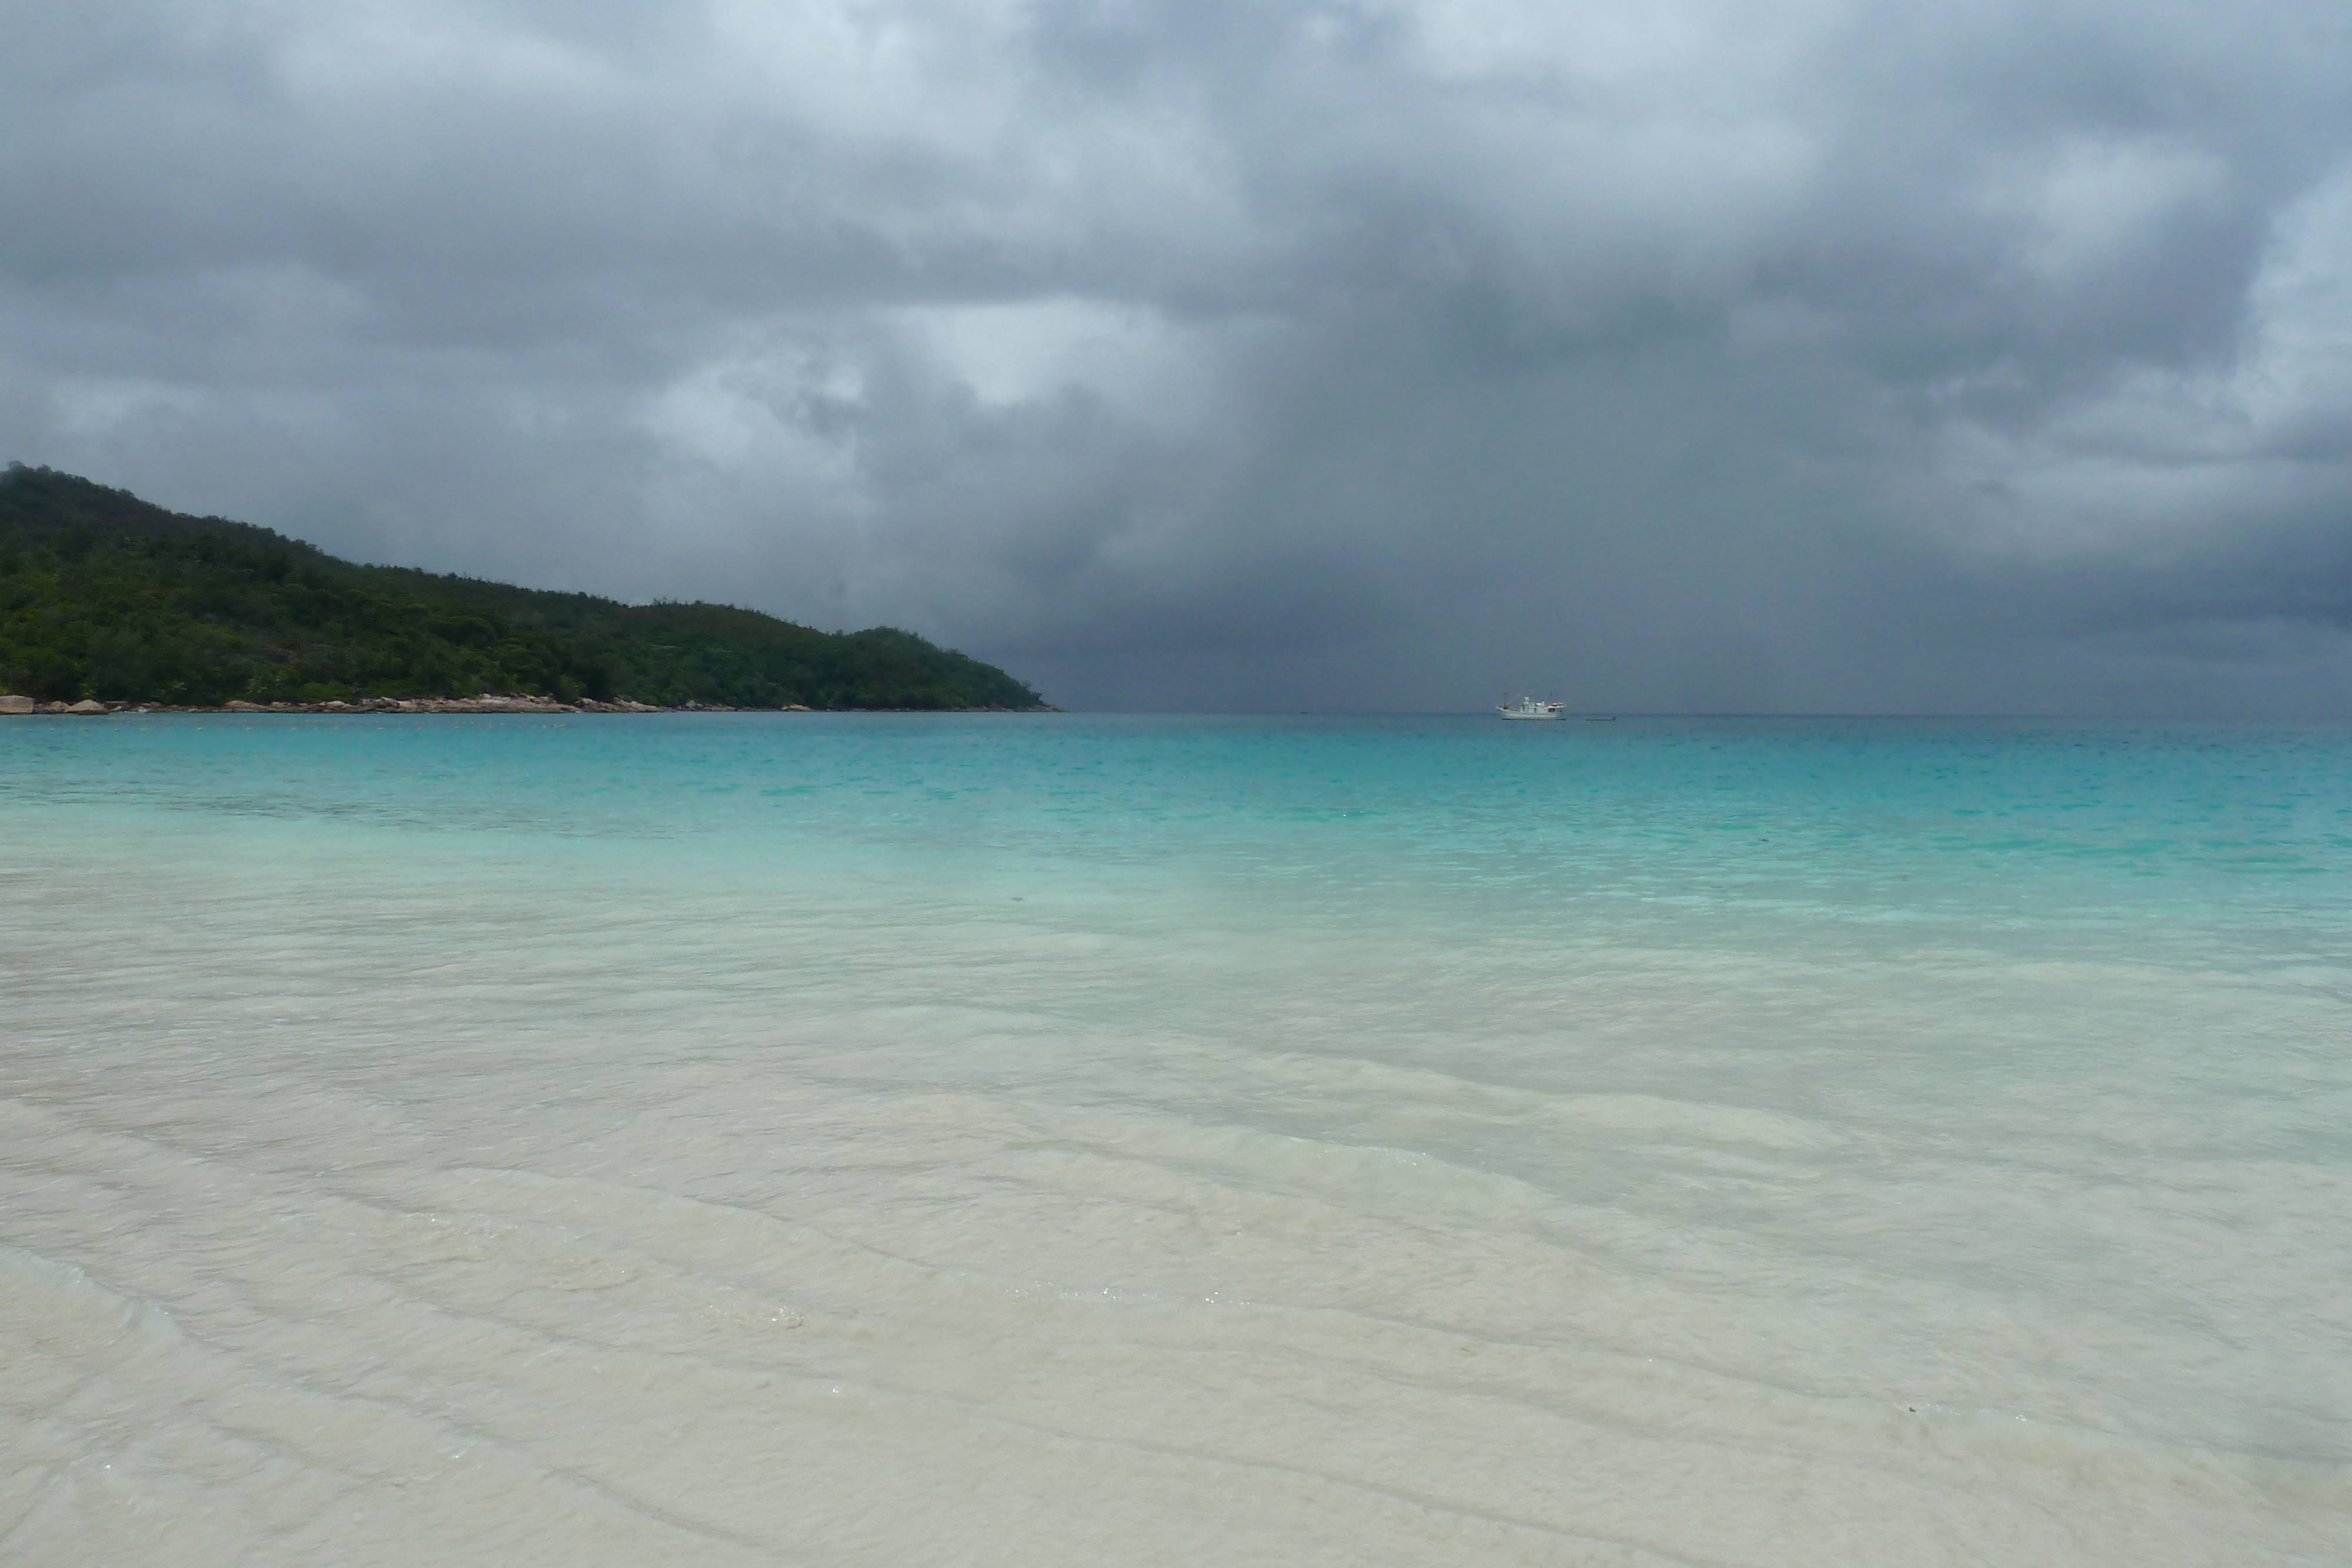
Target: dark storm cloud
column 1683, row 355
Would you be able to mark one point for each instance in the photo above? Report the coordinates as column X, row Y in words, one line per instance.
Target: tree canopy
column 103, row 595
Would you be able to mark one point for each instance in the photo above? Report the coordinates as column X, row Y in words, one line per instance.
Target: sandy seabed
column 374, row 1198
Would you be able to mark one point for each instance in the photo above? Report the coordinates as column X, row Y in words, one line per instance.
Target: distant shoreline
column 26, row 707
column 108, row 593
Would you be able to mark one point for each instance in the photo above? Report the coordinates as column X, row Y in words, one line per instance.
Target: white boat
column 1528, row 707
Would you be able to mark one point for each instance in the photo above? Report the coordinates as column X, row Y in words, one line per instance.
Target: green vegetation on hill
column 102, row 595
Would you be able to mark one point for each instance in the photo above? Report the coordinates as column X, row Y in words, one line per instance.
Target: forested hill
column 104, row 596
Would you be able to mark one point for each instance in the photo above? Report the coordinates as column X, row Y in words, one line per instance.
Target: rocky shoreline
column 484, row 704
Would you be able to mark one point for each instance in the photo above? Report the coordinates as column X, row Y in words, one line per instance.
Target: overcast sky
column 1800, row 355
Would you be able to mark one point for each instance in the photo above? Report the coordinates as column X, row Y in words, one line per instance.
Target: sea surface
column 1036, row 1140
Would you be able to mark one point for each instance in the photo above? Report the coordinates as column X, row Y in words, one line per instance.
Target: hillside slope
column 105, row 596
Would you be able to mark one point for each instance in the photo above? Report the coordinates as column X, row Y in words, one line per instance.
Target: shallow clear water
column 755, row 1139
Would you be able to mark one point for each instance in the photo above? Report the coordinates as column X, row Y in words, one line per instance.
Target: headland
column 109, row 602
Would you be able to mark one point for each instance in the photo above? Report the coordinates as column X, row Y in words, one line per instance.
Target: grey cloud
column 1223, row 354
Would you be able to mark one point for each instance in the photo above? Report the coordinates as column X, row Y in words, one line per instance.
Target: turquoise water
column 1007, row 1139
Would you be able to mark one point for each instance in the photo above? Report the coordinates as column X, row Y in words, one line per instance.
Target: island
column 106, row 601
